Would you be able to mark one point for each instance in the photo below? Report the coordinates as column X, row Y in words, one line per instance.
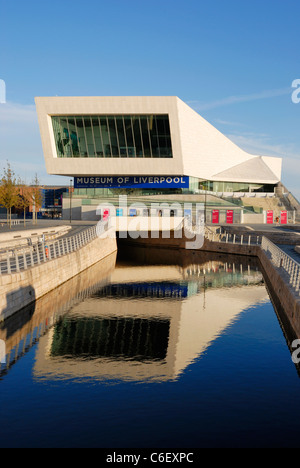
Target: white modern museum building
column 144, row 146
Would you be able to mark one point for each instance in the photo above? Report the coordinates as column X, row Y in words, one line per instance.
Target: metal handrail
column 229, row 238
column 15, row 261
column 281, row 260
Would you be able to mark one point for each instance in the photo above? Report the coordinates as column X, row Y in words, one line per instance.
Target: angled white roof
column 209, row 154
column 248, row 171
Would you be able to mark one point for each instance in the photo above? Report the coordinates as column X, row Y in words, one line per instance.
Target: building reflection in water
column 150, row 321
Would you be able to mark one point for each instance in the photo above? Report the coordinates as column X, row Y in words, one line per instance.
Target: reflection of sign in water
column 2, row 352
column 132, row 212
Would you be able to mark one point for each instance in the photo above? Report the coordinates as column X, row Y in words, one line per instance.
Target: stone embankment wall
column 20, row 289
column 284, row 297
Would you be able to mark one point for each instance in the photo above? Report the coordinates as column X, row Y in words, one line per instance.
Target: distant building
column 52, row 200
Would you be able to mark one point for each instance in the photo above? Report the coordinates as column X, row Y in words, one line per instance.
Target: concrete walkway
column 45, row 223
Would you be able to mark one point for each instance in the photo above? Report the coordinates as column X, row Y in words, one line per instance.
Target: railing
column 229, row 238
column 17, row 260
column 286, row 264
column 13, row 222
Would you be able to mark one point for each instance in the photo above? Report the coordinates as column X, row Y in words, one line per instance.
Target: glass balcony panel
column 154, row 137
column 58, row 137
column 113, row 137
column 121, row 136
column 129, row 137
column 73, row 137
column 65, row 137
column 145, row 136
column 137, row 137
column 105, row 137
column 97, row 137
column 89, row 137
column 81, row 137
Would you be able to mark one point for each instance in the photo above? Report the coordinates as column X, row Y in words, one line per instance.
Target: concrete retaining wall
column 282, row 293
column 180, row 243
column 249, row 218
column 20, row 289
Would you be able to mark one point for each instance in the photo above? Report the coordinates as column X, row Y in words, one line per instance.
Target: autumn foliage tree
column 24, row 197
column 9, row 192
column 15, row 193
column 36, row 197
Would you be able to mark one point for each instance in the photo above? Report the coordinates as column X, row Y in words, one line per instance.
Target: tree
column 24, row 197
column 8, row 191
column 36, row 197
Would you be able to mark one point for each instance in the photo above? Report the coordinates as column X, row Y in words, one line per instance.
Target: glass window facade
column 109, row 136
column 220, row 186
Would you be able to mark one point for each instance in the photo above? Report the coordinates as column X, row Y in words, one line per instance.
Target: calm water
column 163, row 352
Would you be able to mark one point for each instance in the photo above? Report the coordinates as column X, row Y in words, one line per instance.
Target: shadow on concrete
column 158, row 256
column 25, row 296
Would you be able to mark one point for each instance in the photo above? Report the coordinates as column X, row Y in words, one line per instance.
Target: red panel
column 215, row 216
column 283, row 217
column 229, row 217
column 270, row 217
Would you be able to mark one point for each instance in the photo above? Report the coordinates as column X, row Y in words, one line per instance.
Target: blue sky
column 233, row 61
